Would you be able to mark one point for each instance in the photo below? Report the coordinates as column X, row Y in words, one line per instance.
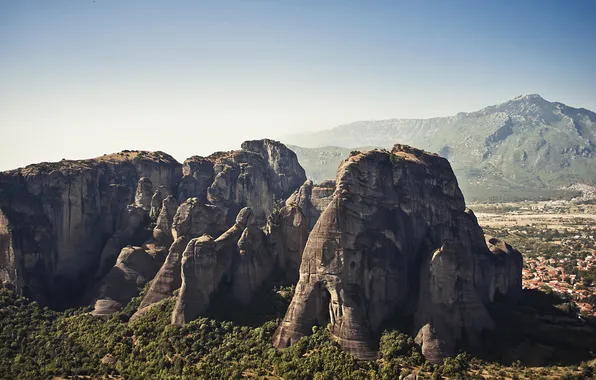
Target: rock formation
column 396, row 240
column 132, row 220
column 144, row 194
column 61, row 214
column 282, row 163
column 161, row 193
column 287, row 233
column 193, row 218
column 134, row 268
column 257, row 175
column 62, row 223
column 243, row 257
column 312, row 199
column 198, row 175
column 162, row 232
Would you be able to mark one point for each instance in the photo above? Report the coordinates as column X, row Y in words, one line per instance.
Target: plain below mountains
column 527, row 147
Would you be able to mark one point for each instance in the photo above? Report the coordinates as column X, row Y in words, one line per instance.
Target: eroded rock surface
column 287, row 233
column 61, row 214
column 283, row 164
column 312, row 199
column 133, row 219
column 193, row 218
column 64, row 224
column 162, row 232
column 161, row 193
column 134, row 268
column 144, row 194
column 395, row 239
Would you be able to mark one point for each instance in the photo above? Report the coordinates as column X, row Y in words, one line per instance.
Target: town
column 556, row 240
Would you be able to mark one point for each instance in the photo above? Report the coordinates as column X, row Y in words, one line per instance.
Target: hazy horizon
column 80, row 79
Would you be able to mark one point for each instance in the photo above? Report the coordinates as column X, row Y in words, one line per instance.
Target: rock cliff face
column 257, row 175
column 59, row 216
column 223, row 186
column 283, row 165
column 134, row 268
column 312, row 199
column 193, row 218
column 287, row 233
column 61, row 223
column 242, row 258
column 396, row 240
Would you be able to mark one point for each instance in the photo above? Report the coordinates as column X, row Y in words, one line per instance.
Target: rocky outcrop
column 199, row 279
column 10, row 266
column 257, row 175
column 312, row 199
column 283, row 164
column 508, row 278
column 61, row 215
column 395, row 240
column 61, row 223
column 134, row 268
column 198, row 175
column 287, row 233
column 243, row 258
column 162, row 232
column 242, row 180
column 144, row 194
column 253, row 265
column 193, row 218
column 161, row 193
column 205, row 262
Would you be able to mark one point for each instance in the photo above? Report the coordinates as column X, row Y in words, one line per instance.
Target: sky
column 81, row 78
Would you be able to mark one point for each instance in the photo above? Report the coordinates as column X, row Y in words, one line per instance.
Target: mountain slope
column 527, row 143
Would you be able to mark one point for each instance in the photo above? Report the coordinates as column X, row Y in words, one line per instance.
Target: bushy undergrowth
column 38, row 343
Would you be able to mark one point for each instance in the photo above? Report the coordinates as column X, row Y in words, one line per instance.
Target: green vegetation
column 38, row 343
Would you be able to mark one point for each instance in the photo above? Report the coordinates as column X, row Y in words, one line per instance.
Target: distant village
column 558, row 247
column 549, row 274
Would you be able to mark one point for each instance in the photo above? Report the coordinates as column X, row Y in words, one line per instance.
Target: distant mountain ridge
column 525, row 145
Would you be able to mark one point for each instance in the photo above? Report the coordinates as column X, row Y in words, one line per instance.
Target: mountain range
column 527, row 147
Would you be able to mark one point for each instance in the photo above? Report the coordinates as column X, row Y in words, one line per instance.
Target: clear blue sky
column 81, row 78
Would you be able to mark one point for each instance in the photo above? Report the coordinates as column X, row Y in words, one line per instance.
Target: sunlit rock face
column 396, row 240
